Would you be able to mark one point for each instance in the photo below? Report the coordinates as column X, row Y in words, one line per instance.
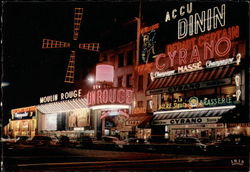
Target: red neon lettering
column 112, row 95
column 157, row 62
column 195, row 57
column 208, row 48
column 182, row 56
column 93, row 97
column 228, row 46
column 171, row 56
column 121, row 96
column 129, row 96
column 88, row 99
column 105, row 96
column 99, row 97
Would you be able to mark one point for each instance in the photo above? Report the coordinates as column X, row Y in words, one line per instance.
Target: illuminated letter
column 93, row 97
column 167, row 17
column 173, row 14
column 199, row 22
column 171, row 56
column 129, row 96
column 195, row 57
column 62, row 96
column 157, row 61
column 219, row 16
column 190, row 26
column 189, row 8
column 228, row 46
column 105, row 96
column 88, row 98
column 182, row 28
column 99, row 97
column 209, row 19
column 209, row 48
column 181, row 11
column 112, row 95
column 182, row 56
column 121, row 96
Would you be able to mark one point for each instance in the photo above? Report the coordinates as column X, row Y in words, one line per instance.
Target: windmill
column 48, row 43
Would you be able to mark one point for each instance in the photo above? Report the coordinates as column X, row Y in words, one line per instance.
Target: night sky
column 33, row 72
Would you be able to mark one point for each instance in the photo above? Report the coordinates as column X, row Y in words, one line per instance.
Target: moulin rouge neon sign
column 110, row 96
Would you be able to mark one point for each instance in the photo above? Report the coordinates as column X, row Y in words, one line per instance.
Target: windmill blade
column 77, row 22
column 70, row 74
column 48, row 43
column 90, row 46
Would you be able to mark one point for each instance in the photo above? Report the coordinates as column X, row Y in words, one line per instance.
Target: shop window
column 149, row 105
column 140, row 83
column 228, row 91
column 139, row 104
column 149, row 79
column 130, row 57
column 120, row 81
column 129, row 81
column 121, row 60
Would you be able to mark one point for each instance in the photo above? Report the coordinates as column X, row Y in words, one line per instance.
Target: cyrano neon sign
column 214, row 45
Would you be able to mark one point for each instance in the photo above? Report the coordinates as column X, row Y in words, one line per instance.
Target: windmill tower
column 48, row 43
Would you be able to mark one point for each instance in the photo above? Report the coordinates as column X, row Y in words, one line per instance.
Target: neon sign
column 195, row 102
column 110, row 96
column 111, row 113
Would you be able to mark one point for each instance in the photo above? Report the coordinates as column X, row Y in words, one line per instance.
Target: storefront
column 139, row 125
column 64, row 114
column 23, row 122
column 110, row 108
column 201, row 85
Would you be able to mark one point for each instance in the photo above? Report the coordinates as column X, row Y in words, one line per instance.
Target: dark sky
column 33, row 72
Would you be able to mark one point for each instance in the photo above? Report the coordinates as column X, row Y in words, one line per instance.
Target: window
column 149, row 105
column 130, row 57
column 129, row 81
column 120, row 81
column 121, row 60
column 149, row 79
column 140, row 83
column 140, row 104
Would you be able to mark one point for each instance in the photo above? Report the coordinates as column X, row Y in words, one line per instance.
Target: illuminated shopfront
column 200, row 83
column 64, row 114
column 23, row 122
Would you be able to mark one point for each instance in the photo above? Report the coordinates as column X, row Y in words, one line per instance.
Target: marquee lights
column 200, row 109
column 113, row 106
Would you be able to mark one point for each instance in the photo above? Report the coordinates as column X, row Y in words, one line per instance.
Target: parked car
column 40, row 140
column 134, row 144
column 22, row 139
column 64, row 140
column 107, row 142
column 188, row 145
column 55, row 141
column 232, row 144
column 85, row 142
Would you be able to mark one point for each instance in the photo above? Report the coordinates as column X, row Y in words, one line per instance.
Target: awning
column 63, row 106
column 192, row 77
column 138, row 119
column 192, row 116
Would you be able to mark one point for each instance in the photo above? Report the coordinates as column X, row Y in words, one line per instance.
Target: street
column 71, row 159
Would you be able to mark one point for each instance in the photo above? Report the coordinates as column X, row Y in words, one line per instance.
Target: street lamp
column 91, row 79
